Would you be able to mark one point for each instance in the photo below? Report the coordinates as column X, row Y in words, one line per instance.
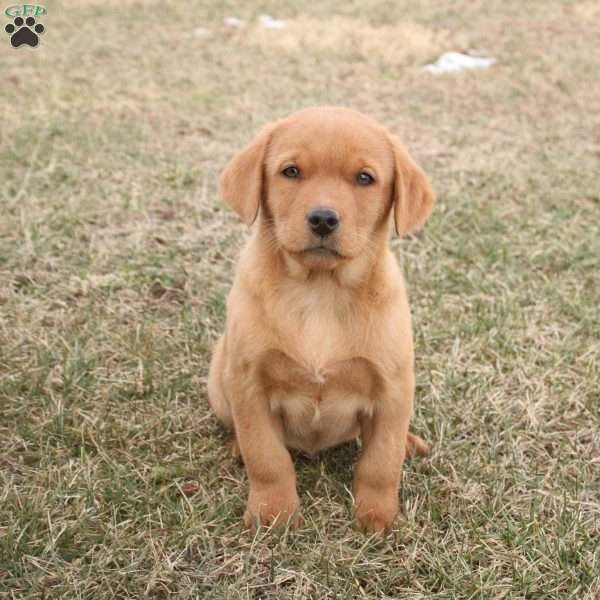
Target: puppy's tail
column 416, row 446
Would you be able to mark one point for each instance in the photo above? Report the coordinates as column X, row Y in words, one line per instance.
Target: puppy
column 318, row 345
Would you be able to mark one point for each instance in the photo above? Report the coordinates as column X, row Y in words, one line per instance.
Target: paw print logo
column 24, row 32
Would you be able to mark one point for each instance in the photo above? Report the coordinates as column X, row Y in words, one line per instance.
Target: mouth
column 317, row 254
column 322, row 251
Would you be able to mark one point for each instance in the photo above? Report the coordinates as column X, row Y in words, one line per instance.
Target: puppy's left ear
column 241, row 183
column 413, row 195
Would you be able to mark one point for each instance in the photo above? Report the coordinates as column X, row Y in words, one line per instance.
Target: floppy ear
column 413, row 196
column 241, row 183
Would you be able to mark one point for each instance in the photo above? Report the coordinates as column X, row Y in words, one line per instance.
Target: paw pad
column 24, row 32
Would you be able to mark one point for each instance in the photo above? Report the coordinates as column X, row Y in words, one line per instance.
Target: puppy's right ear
column 241, row 183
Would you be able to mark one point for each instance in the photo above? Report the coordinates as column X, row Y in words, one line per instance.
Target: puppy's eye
column 292, row 171
column 364, row 178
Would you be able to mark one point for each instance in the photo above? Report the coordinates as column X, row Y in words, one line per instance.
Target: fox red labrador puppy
column 318, row 347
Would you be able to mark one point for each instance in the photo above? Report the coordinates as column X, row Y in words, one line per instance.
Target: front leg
column 378, row 472
column 272, row 498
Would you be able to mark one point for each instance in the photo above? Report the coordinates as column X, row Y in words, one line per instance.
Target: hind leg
column 234, row 448
column 217, row 399
column 216, row 395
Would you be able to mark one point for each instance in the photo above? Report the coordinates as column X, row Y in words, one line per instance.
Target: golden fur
column 318, row 345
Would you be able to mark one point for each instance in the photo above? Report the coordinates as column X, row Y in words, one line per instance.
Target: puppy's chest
column 316, row 326
column 315, row 375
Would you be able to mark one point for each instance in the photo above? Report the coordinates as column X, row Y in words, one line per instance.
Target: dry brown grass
column 343, row 38
column 116, row 256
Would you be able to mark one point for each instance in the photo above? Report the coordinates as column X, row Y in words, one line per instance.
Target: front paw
column 376, row 509
column 273, row 506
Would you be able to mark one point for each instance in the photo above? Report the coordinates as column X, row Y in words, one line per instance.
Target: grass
column 116, row 257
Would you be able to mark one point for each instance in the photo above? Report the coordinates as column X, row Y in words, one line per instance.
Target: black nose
column 323, row 221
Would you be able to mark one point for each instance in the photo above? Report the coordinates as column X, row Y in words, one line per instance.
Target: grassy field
column 116, row 256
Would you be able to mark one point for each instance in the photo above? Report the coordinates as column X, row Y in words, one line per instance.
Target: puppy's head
column 325, row 181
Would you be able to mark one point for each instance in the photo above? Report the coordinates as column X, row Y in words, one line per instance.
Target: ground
column 116, row 256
